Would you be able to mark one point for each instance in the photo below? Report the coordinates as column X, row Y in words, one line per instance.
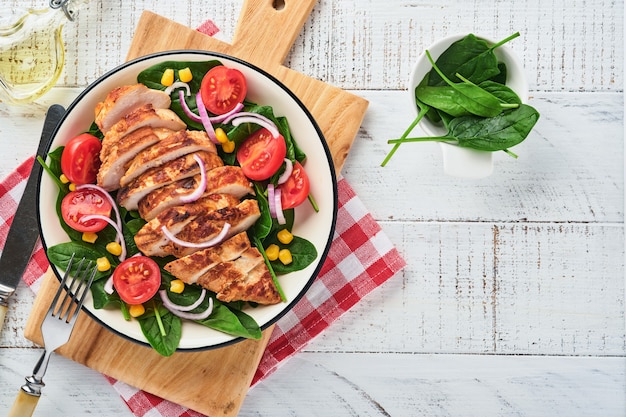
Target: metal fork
column 56, row 329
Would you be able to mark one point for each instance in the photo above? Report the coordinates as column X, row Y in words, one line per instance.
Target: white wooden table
column 512, row 303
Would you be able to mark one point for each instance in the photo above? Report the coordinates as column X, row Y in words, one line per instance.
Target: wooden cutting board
column 212, row 382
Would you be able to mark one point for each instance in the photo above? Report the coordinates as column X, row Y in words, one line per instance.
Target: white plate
column 457, row 161
column 264, row 89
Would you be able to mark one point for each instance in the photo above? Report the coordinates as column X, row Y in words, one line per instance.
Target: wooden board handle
column 266, row 32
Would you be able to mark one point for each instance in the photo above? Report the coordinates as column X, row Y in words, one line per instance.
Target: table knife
column 24, row 229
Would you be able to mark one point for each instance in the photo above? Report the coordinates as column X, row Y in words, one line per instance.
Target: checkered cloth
column 360, row 259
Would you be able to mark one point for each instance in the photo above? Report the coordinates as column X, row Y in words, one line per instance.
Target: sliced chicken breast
column 161, row 175
column 141, row 117
column 256, row 286
column 123, row 100
column 221, row 180
column 181, row 143
column 189, row 268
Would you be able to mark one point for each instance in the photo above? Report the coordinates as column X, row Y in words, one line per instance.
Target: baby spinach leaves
column 465, row 92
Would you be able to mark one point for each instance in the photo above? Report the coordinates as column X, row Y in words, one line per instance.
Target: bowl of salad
column 203, row 191
column 477, row 81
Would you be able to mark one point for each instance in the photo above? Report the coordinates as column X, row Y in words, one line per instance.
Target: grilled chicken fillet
column 221, row 180
column 174, row 146
column 175, row 170
column 200, row 229
column 123, row 100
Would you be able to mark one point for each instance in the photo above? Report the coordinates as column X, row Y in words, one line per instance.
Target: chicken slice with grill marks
column 201, row 229
column 189, row 268
column 178, row 169
column 115, row 158
column 226, row 179
column 256, row 286
column 144, row 116
column 222, row 274
column 180, row 143
column 150, row 239
column 123, row 100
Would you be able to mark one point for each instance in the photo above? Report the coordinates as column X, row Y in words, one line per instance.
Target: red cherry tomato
column 222, row 88
column 80, row 160
column 296, row 189
column 260, row 155
column 80, row 203
column 137, row 279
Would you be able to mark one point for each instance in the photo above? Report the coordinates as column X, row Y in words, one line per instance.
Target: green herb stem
column 49, row 171
column 505, row 40
column 419, row 117
column 157, row 315
column 447, row 139
column 313, row 203
column 261, row 249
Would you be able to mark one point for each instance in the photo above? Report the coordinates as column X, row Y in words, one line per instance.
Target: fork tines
column 76, row 290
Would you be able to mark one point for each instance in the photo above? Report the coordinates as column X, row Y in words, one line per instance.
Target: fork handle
column 3, row 313
column 24, row 404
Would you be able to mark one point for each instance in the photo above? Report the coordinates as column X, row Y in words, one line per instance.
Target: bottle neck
column 69, row 7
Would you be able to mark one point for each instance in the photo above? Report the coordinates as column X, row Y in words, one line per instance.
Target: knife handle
column 3, row 313
column 24, row 405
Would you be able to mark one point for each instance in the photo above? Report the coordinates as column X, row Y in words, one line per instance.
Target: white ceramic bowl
column 457, row 161
column 318, row 227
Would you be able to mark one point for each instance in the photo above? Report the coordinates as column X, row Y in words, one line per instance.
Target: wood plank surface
column 545, row 336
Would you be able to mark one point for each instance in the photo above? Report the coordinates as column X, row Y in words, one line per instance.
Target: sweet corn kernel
column 114, row 248
column 228, row 147
column 284, row 236
column 72, row 187
column 167, row 78
column 136, row 310
column 185, row 75
column 272, row 252
column 103, row 264
column 285, row 256
column 221, row 135
column 64, row 179
column 89, row 237
column 177, row 286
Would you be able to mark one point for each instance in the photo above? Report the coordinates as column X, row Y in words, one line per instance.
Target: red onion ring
column 287, row 173
column 177, row 84
column 186, row 109
column 271, row 200
column 174, row 308
column 201, row 188
column 248, row 117
column 209, row 243
column 280, row 216
column 112, row 223
column 204, row 116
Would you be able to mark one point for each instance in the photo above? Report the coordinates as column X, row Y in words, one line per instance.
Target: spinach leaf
column 486, row 134
column 165, row 344
column 60, row 255
column 302, row 251
column 232, row 322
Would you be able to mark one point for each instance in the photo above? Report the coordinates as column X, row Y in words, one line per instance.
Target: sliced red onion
column 249, row 117
column 271, row 200
column 280, row 216
column 112, row 223
column 220, row 118
column 204, row 116
column 108, row 286
column 201, row 188
column 177, row 84
column 287, row 173
column 171, row 305
column 177, row 311
column 186, row 109
column 106, row 194
column 209, row 243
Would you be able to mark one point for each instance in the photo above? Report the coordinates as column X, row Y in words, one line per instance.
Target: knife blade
column 24, row 229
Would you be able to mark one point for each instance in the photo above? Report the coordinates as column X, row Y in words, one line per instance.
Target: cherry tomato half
column 85, row 202
column 260, row 155
column 80, row 160
column 222, row 88
column 296, row 189
column 137, row 279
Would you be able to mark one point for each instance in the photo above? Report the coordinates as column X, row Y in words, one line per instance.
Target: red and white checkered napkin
column 360, row 259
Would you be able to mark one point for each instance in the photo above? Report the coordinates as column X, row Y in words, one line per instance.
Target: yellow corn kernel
column 228, row 147
column 72, row 187
column 284, row 236
column 103, row 264
column 221, row 135
column 185, row 75
column 272, row 252
column 64, row 179
column 89, row 237
column 167, row 78
column 136, row 310
column 114, row 248
column 285, row 256
column 177, row 286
